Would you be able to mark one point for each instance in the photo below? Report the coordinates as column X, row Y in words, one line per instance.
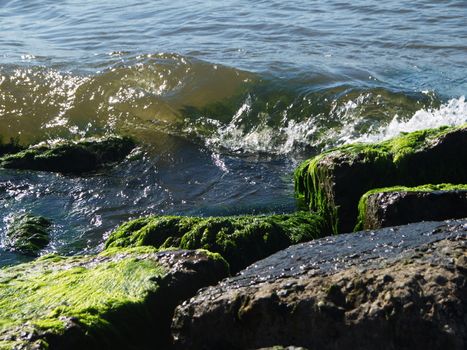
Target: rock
column 120, row 299
column 395, row 288
column 28, row 234
column 241, row 240
column 334, row 181
column 400, row 205
column 71, row 157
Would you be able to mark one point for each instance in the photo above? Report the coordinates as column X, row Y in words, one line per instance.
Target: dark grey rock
column 386, row 209
column 395, row 288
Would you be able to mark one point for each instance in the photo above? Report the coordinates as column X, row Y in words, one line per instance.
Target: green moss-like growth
column 71, row 157
column 28, row 234
column 362, row 204
column 45, row 298
column 241, row 240
column 333, row 182
column 119, row 299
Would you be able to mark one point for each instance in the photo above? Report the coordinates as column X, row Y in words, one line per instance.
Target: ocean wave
column 319, row 120
column 39, row 102
column 219, row 107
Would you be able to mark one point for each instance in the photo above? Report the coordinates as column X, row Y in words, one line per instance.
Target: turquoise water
column 225, row 99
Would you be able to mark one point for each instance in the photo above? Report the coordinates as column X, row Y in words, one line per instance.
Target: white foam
column 290, row 135
column 454, row 112
column 262, row 138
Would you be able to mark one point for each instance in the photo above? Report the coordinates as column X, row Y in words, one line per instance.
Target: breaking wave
column 225, row 109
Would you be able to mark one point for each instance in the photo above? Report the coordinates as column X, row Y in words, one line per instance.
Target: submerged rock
column 400, row 205
column 120, row 299
column 333, row 182
column 71, row 157
column 28, row 234
column 241, row 240
column 396, row 288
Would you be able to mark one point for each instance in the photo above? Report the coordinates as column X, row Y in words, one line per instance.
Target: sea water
column 225, row 98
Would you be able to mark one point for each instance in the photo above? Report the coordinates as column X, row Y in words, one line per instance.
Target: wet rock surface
column 334, row 181
column 386, row 209
column 395, row 288
column 27, row 234
column 122, row 299
column 71, row 157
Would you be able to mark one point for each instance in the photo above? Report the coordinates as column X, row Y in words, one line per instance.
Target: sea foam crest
column 452, row 113
column 262, row 137
column 290, row 134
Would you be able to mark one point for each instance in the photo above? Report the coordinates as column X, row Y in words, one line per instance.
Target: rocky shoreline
column 401, row 287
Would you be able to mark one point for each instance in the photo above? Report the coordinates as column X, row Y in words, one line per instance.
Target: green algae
column 71, row 156
column 44, row 297
column 362, row 204
column 314, row 178
column 241, row 240
column 331, row 183
column 28, row 234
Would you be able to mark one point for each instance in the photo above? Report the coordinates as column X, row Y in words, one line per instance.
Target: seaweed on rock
column 119, row 299
column 241, row 240
column 28, row 234
column 333, row 182
column 71, row 157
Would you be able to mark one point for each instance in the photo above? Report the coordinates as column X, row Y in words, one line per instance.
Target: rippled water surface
column 225, row 98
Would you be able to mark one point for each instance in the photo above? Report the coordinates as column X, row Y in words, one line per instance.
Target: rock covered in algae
column 401, row 205
column 395, row 288
column 334, row 181
column 241, row 240
column 71, row 156
column 28, row 234
column 120, row 299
